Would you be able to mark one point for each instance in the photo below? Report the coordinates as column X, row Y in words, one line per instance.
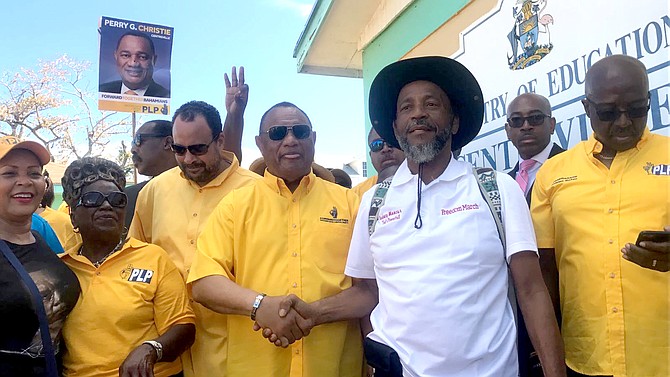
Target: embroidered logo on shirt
column 564, row 179
column 141, row 275
column 136, row 274
column 461, row 208
column 661, row 169
column 333, row 218
column 390, row 216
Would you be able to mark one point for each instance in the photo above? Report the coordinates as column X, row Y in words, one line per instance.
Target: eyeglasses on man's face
column 300, row 131
column 377, row 145
column 533, row 120
column 195, row 149
column 139, row 138
column 609, row 112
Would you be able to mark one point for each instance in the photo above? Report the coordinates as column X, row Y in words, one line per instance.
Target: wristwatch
column 157, row 346
column 256, row 305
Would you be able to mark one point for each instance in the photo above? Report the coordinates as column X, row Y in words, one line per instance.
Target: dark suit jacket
column 528, row 366
column 554, row 151
column 132, row 192
column 154, row 89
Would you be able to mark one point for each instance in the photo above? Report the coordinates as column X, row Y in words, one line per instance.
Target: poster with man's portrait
column 134, row 66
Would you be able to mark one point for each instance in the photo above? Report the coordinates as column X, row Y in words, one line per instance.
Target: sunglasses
column 533, row 120
column 300, row 131
column 377, row 145
column 96, row 198
column 609, row 112
column 138, row 139
column 195, row 149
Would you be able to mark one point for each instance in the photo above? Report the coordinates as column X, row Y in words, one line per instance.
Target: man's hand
column 139, row 363
column 651, row 255
column 286, row 329
column 291, row 304
column 237, row 92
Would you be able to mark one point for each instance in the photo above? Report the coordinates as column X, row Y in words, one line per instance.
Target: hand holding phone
column 651, row 250
column 652, row 236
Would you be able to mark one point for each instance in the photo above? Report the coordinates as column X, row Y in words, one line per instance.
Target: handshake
column 285, row 319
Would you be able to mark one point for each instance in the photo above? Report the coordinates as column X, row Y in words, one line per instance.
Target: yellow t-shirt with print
column 136, row 294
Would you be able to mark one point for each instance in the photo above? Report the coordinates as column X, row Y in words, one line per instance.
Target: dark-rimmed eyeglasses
column 300, row 131
column 377, row 145
column 195, row 149
column 608, row 112
column 533, row 120
column 139, row 138
column 96, row 198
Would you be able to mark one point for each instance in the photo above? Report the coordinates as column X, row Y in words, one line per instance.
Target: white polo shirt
column 443, row 288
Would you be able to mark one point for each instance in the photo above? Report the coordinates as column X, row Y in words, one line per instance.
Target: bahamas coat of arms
column 529, row 39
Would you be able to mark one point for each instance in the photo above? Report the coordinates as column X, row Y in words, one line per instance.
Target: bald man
column 588, row 205
column 529, row 127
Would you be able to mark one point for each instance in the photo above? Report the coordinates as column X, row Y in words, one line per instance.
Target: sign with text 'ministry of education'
column 546, row 47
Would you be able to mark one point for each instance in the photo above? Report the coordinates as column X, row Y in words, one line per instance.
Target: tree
column 53, row 104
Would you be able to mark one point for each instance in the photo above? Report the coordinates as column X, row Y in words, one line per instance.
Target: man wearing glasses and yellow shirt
column 173, row 208
column 588, row 206
column 286, row 235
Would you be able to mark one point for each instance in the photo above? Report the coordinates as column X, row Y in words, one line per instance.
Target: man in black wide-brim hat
column 432, row 246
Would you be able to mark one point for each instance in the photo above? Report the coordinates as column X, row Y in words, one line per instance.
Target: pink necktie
column 522, row 175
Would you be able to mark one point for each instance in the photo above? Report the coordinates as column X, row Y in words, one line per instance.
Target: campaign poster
column 134, row 66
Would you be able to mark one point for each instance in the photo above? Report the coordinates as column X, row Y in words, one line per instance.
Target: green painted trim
column 416, row 23
column 319, row 13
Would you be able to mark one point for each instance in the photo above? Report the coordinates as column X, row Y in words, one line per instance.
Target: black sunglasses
column 533, row 120
column 377, row 145
column 139, row 138
column 609, row 112
column 96, row 198
column 195, row 149
column 300, row 131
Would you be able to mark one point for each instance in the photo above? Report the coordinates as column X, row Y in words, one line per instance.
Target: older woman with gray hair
column 133, row 316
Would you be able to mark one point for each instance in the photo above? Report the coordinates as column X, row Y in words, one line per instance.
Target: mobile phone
column 653, row 236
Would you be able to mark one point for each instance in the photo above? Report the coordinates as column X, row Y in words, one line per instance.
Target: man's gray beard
column 428, row 151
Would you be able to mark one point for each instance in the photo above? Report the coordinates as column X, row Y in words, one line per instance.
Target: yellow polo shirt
column 171, row 211
column 270, row 240
column 616, row 314
column 364, row 186
column 60, row 222
column 136, row 294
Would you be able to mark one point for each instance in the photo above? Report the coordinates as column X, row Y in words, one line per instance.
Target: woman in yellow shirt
column 133, row 316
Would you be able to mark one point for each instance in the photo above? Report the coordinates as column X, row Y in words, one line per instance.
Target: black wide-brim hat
column 457, row 81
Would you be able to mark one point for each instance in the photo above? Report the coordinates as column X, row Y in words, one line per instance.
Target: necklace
column 608, row 158
column 118, row 247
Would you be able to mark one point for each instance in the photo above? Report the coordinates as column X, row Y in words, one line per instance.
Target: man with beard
column 172, row 210
column 589, row 205
column 151, row 146
column 434, row 253
column 385, row 160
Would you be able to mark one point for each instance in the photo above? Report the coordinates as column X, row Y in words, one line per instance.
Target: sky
column 210, row 36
